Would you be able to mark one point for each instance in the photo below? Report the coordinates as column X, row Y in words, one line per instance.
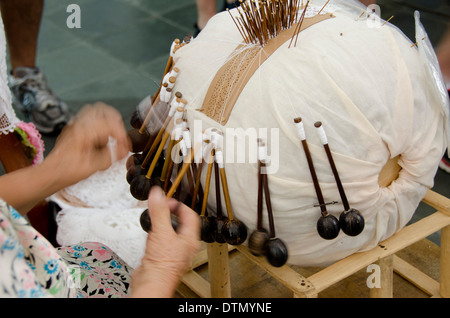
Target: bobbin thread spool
column 327, row 225
column 208, row 223
column 139, row 135
column 262, row 242
column 141, row 183
column 146, row 222
column 233, row 230
column 257, row 242
column 350, row 220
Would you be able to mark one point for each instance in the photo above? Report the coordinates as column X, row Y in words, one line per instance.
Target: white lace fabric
column 101, row 209
column 8, row 118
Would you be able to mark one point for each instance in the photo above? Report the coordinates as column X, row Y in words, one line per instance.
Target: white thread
column 164, row 95
column 183, row 147
column 174, row 72
column 219, row 158
column 300, row 130
column 205, row 136
column 173, row 107
column 172, row 110
column 112, row 145
column 177, row 132
column 219, row 139
column 214, row 139
column 262, row 153
column 178, row 115
column 170, row 84
column 187, row 138
column 322, row 135
column 166, row 78
column 172, row 47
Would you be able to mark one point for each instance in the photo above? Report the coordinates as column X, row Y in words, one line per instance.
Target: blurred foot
column 445, row 163
column 32, row 95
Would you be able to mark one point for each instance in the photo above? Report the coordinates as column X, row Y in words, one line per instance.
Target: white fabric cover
column 369, row 88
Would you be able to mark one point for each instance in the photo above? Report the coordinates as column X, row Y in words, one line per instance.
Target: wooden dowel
column 167, row 180
column 155, row 143
column 207, row 183
column 190, row 179
column 312, row 170
column 152, row 138
column 333, row 168
column 314, row 177
column 168, row 159
column 197, row 186
column 218, row 192
column 445, row 262
column 259, row 221
column 268, row 204
column 158, row 153
column 149, row 115
column 169, row 66
column 226, row 193
column 181, row 173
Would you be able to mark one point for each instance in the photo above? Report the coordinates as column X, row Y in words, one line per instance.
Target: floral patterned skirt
column 96, row 270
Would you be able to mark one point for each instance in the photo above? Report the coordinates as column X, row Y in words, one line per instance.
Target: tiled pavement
column 119, row 53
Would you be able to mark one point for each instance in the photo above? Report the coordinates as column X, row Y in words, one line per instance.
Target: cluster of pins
column 261, row 241
column 260, row 21
column 328, row 226
column 219, row 228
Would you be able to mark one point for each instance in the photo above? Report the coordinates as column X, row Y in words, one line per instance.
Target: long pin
column 207, row 183
column 387, row 20
column 323, row 7
column 182, row 172
column 301, row 22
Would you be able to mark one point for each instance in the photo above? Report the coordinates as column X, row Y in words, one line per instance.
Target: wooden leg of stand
column 445, row 262
column 386, row 278
column 219, row 271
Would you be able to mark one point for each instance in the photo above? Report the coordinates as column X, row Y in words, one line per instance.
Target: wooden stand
column 383, row 255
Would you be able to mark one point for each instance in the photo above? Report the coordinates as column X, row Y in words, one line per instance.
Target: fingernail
column 157, row 193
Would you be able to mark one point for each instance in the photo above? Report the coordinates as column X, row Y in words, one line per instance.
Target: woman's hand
column 82, row 147
column 168, row 253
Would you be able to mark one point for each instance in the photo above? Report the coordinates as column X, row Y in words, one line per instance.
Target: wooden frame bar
column 383, row 255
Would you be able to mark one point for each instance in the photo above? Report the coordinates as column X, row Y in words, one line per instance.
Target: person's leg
column 22, row 19
column 206, row 9
column 443, row 55
column 29, row 87
column 368, row 2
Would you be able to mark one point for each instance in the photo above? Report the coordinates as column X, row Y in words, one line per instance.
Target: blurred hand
column 82, row 147
column 168, row 254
